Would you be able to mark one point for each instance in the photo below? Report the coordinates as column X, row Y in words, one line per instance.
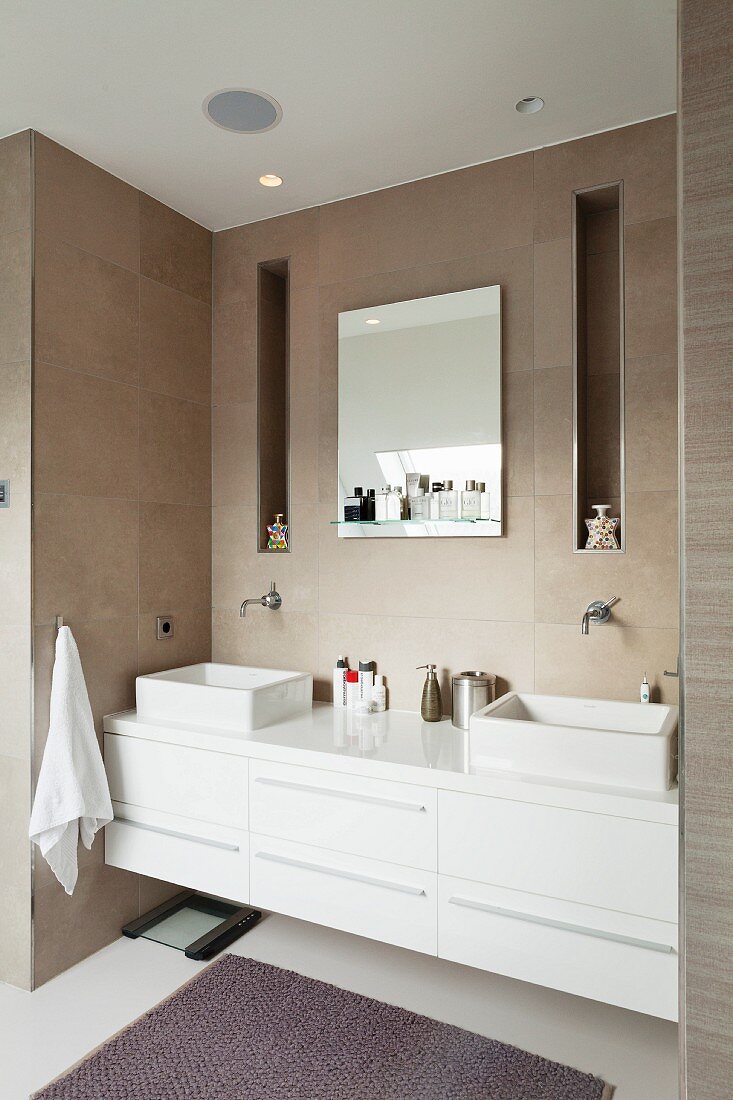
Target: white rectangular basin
column 592, row 740
column 232, row 697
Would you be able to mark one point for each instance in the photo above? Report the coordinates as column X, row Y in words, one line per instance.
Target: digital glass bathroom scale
column 194, row 923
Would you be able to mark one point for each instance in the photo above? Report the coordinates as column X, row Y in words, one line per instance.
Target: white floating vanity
column 391, row 828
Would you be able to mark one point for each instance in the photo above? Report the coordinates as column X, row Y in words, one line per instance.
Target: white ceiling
column 374, row 92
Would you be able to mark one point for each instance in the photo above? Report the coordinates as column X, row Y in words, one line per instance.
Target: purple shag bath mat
column 243, row 1030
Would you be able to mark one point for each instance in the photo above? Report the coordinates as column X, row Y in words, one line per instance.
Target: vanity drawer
column 367, row 817
column 595, row 859
column 212, row 858
column 611, row 957
column 195, row 783
column 369, row 898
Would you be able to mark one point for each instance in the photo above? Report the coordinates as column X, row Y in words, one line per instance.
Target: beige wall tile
column 651, row 423
column 304, row 370
column 238, row 251
column 15, row 182
column 518, row 430
column 175, row 450
column 15, row 561
column 85, row 560
column 602, row 232
column 234, row 349
column 479, row 209
column 400, row 643
column 644, row 156
column 86, row 312
column 234, row 448
column 608, row 663
column 99, row 457
column 175, row 342
column 604, row 436
column 650, row 257
column 15, row 295
column 644, row 578
column 175, row 558
column 15, row 437
column 15, row 690
column 153, row 893
column 85, row 206
column 239, row 572
column 553, row 431
column 451, row 578
column 603, row 313
column 285, row 639
column 174, row 250
column 553, row 313
column 15, row 873
column 190, row 644
column 68, row 929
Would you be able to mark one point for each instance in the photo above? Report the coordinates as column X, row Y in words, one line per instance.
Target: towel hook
column 58, row 622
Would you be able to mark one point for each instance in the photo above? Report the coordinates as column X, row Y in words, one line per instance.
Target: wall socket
column 164, row 627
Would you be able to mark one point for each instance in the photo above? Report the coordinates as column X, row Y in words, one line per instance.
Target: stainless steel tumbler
column 471, row 692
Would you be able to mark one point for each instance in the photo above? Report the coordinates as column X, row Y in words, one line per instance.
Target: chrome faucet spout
column 272, row 599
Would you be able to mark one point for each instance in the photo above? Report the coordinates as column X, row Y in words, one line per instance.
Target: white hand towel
column 72, row 796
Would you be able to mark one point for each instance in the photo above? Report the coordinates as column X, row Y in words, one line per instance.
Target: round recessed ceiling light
column 242, row 110
column 372, row 321
column 271, row 180
column 530, row 105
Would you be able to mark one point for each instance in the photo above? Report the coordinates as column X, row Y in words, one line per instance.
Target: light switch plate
column 5, row 494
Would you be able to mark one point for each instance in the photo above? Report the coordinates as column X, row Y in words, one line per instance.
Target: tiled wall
column 706, row 148
column 121, row 486
column 15, row 557
column 511, row 605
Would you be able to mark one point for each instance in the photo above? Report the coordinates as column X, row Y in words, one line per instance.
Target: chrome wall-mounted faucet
column 271, row 599
column 597, row 612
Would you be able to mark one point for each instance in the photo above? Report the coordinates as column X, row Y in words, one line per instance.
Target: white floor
column 43, row 1033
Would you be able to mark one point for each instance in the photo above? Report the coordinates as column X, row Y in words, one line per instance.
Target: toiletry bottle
column 352, row 688
column 359, row 494
column 413, row 481
column 380, row 503
column 431, row 706
column 352, row 509
column 485, row 500
column 379, row 695
column 470, row 501
column 366, row 683
column 448, row 507
column 369, row 507
column 339, row 683
column 419, row 506
column 394, row 504
column 644, row 692
column 435, row 500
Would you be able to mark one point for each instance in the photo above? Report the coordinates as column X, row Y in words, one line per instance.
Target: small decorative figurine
column 602, row 529
column 277, row 534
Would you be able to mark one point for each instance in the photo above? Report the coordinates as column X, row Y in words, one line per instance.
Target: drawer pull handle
column 401, row 887
column 225, row 844
column 374, row 799
column 550, row 922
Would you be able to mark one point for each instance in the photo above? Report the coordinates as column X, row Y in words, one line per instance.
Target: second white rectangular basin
column 233, row 697
column 593, row 740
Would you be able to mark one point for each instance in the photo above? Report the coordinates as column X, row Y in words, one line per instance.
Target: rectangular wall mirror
column 419, row 425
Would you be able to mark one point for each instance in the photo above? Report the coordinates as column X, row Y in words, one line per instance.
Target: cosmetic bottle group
column 421, row 503
column 358, row 690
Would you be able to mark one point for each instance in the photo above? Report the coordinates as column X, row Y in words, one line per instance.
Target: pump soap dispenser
column 431, row 707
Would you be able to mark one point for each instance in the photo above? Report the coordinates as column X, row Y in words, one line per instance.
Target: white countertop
column 397, row 745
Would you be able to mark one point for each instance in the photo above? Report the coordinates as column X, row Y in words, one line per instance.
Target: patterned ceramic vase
column 277, row 532
column 601, row 529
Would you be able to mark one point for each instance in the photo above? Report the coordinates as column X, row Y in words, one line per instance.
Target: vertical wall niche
column 598, row 358
column 273, row 413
